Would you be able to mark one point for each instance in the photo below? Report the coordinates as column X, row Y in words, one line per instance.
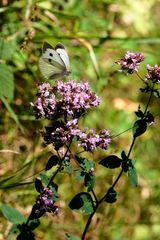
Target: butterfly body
column 54, row 62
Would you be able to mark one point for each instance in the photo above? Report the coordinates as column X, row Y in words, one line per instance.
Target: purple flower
column 153, row 73
column 130, row 62
column 76, row 98
column 45, row 103
column 69, row 100
column 90, row 141
column 61, row 133
column 44, row 204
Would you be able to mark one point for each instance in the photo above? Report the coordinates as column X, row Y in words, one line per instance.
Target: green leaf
column 6, row 81
column 6, row 49
column 132, row 175
column 111, row 161
column 80, row 175
column 68, row 169
column 111, row 196
column 82, row 201
column 71, row 237
column 12, row 214
column 44, row 178
column 86, row 164
column 38, row 185
column 89, row 181
column 139, row 127
column 53, row 161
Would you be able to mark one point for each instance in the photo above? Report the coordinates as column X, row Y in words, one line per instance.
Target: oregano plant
column 63, row 104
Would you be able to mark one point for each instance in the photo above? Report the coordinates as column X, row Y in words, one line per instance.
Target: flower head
column 130, row 62
column 45, row 104
column 69, row 99
column 153, row 73
column 90, row 140
column 44, row 203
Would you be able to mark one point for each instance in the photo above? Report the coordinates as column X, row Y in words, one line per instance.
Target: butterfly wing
column 51, row 65
column 63, row 55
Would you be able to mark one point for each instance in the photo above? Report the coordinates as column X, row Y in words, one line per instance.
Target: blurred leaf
column 6, row 82
column 12, row 214
column 68, row 169
column 132, row 175
column 139, row 127
column 111, row 161
column 6, row 49
column 82, row 201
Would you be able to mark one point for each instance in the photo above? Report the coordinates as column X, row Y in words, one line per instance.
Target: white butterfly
column 54, row 62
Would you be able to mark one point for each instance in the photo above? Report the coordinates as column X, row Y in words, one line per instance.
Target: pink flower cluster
column 90, row 140
column 153, row 73
column 130, row 62
column 64, row 104
column 45, row 203
column 70, row 99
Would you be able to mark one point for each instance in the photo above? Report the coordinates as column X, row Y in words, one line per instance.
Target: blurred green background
column 95, row 34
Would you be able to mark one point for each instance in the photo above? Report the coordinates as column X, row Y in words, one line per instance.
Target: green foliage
column 12, row 214
column 82, row 201
column 111, row 161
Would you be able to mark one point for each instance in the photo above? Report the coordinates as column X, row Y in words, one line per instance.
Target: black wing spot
column 50, row 54
column 49, row 60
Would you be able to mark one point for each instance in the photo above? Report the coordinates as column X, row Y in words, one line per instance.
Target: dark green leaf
column 12, row 214
column 6, row 82
column 89, row 181
column 53, row 161
column 124, row 156
column 139, row 114
column 139, row 127
column 111, row 161
column 38, row 185
column 82, row 201
column 111, row 196
column 132, row 175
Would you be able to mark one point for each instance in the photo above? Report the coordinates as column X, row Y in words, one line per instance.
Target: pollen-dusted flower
column 44, row 204
column 130, row 62
column 89, row 140
column 153, row 73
